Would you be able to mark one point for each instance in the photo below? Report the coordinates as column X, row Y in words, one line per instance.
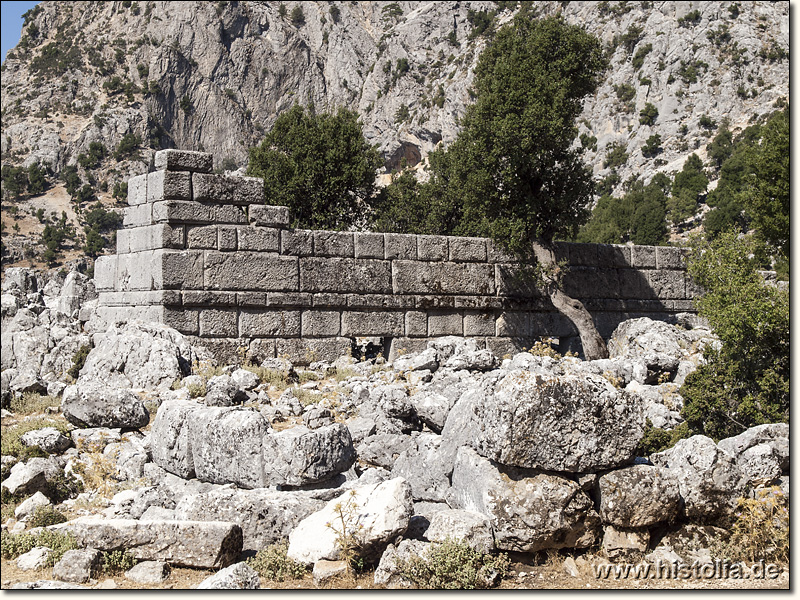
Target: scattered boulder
column 376, row 514
column 528, row 511
column 198, row 544
column 76, row 566
column 240, row 576
column 223, row 391
column 638, row 496
column 388, row 573
column 421, row 466
column 761, row 452
column 49, row 439
column 326, row 570
column 46, row 584
column 95, row 404
column 33, row 559
column 471, row 528
column 171, row 447
column 149, row 572
column 29, row 506
column 34, row 475
column 709, row 479
column 625, row 544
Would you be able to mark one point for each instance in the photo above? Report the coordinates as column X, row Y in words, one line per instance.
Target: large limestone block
column 94, row 404
column 709, row 479
column 377, row 514
column 638, row 496
column 170, row 439
column 473, row 529
column 224, row 189
column 183, row 160
column 345, row 275
column 265, row 516
column 528, row 511
column 416, row 277
column 299, row 456
column 204, row 545
column 557, row 423
column 250, row 271
column 226, row 444
column 240, row 576
column 761, row 452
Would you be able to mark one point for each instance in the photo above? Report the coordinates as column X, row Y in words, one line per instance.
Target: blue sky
column 11, row 23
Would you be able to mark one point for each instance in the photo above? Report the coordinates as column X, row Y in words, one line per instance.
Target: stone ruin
column 204, row 253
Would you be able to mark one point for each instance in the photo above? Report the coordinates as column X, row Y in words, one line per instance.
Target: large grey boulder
column 34, row 559
column 205, row 545
column 240, row 576
column 383, row 449
column 148, row 572
column 96, row 404
column 265, row 516
column 422, row 467
column 709, row 479
column 49, row 439
column 34, row 475
column 223, row 391
column 528, row 511
column 472, row 528
column 388, row 573
column 375, row 514
column 761, row 452
column 138, row 355
column 300, row 456
column 171, row 441
column 638, row 496
column 77, row 290
column 29, row 506
column 564, row 423
column 76, row 566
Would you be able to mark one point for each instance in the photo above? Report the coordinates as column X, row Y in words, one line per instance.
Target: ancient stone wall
column 203, row 253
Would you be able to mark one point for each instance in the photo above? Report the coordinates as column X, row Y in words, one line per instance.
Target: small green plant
column 116, row 561
column 648, row 115
column 346, row 527
column 197, row 390
column 14, row 545
column 452, row 565
column 544, row 348
column 79, row 360
column 46, row 515
column 657, row 440
column 306, row 397
column 343, row 373
column 273, row 564
column 274, row 377
column 32, row 402
column 761, row 529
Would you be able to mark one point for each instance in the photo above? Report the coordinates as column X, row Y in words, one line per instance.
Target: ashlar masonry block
column 265, row 215
column 184, row 160
column 445, row 323
column 479, row 323
column 379, row 323
column 431, row 247
column 369, row 245
column 467, row 249
column 297, row 242
column 399, row 245
column 274, row 323
column 226, row 238
column 416, row 277
column 149, row 237
column 137, row 190
column 176, row 212
column 345, row 275
column 227, row 190
column 177, row 270
column 258, row 239
column 202, row 238
column 138, row 216
column 333, row 243
column 256, row 271
column 168, row 185
column 417, row 323
column 320, row 323
column 219, row 323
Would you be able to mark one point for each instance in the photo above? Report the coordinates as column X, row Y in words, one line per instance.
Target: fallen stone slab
column 325, row 570
column 148, row 572
column 49, row 439
column 96, row 404
column 198, row 544
column 240, row 576
column 76, row 566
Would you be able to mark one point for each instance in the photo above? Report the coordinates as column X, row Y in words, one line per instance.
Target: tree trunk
column 594, row 346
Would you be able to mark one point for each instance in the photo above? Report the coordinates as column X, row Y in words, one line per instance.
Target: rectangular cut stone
column 668, row 285
column 138, row 271
column 183, row 160
column 224, row 189
column 693, row 289
column 242, row 271
column 105, row 273
column 266, row 215
column 591, row 282
column 683, row 306
column 496, row 254
column 479, row 323
column 482, row 302
column 465, row 249
column 288, row 299
column 304, row 351
column 251, row 299
column 329, row 300
column 272, row 323
column 670, row 258
column 320, row 323
column 515, row 282
column 643, row 257
column 379, row 301
column 399, row 245
column 297, row 242
column 513, row 324
column 369, row 245
column 445, row 323
column 333, row 243
column 194, row 212
column 208, row 298
column 155, row 298
column 427, row 302
column 345, row 275
column 632, row 283
column 417, row 323
column 373, row 322
column 137, row 190
column 168, row 185
column 226, row 238
column 149, row 237
column 219, row 323
column 432, row 247
column 415, row 277
column 202, row 238
column 610, row 255
column 185, row 321
column 583, row 255
column 259, row 239
column 549, row 324
column 138, row 216
column 178, row 270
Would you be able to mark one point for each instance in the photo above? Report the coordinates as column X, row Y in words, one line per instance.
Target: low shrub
column 46, row 515
column 31, row 403
column 452, row 565
column 116, row 561
column 273, row 564
column 761, row 529
column 10, row 444
column 14, row 545
column 78, row 360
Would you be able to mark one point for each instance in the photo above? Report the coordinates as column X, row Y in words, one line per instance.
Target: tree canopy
column 319, row 165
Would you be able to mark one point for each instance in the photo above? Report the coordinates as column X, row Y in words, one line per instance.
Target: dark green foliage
column 120, row 193
column 94, row 243
column 37, row 183
column 689, row 72
column 511, row 173
column 335, row 13
column 721, row 147
column 46, row 515
column 282, row 10
column 101, row 219
column 298, row 17
column 115, row 562
column 72, row 180
column 97, row 152
column 57, row 58
column 481, row 22
column 687, row 187
column 648, row 115
column 78, row 360
column 657, row 440
column 630, row 38
column 746, row 382
column 641, row 53
column 625, row 92
column 402, row 115
column 403, row 206
column 706, row 122
column 691, row 19
column 15, row 181
column 319, row 165
column 734, row 9
column 128, row 147
column 616, row 155
column 84, row 194
column 653, row 146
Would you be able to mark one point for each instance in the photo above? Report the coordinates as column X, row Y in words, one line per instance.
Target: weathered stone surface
column 326, row 570
column 415, row 277
column 137, row 189
column 567, row 423
column 240, row 576
column 227, row 444
column 471, row 528
column 345, row 275
column 148, row 572
column 258, row 239
column 387, row 572
column 333, row 243
column 625, row 544
column 528, row 511
column 432, row 247
column 46, row 584
column 369, row 245
column 34, row 559
column 709, row 479
column 761, row 452
column 400, row 246
column 464, row 249
column 380, row 513
column 368, row 323
column 93, row 404
column 264, row 215
column 250, row 271
column 227, row 190
column 183, row 160
column 28, row 507
column 76, row 566
column 419, row 464
column 299, row 456
column 165, row 185
column 49, row 439
column 204, row 545
column 265, row 516
column 638, row 496
column 171, row 440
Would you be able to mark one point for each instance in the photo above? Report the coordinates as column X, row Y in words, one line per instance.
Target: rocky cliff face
column 214, row 76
